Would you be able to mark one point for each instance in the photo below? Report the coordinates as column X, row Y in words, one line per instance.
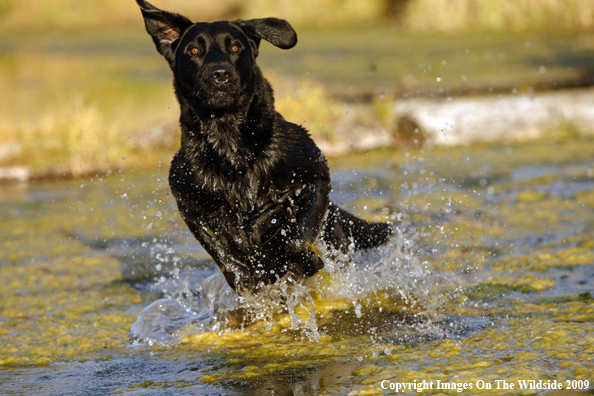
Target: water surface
column 490, row 277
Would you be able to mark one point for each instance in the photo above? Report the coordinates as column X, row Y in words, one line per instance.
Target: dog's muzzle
column 219, row 86
column 220, row 74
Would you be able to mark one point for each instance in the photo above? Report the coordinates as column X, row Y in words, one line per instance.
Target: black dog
column 252, row 187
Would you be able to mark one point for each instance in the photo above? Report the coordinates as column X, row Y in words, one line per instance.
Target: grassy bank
column 76, row 104
column 498, row 15
column 69, row 115
column 411, row 15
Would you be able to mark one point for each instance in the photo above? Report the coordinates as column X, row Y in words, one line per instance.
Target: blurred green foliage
column 76, row 102
column 4, row 7
column 412, row 15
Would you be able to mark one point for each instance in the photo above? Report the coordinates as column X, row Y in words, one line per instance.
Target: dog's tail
column 341, row 229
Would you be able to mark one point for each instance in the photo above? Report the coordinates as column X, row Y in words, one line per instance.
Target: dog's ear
column 276, row 31
column 166, row 28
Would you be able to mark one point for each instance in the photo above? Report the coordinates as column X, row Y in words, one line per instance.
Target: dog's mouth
column 218, row 96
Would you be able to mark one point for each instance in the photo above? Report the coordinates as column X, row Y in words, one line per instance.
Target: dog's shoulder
column 302, row 157
column 181, row 177
column 296, row 136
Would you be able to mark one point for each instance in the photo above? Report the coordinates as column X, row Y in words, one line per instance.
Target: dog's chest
column 226, row 198
column 242, row 195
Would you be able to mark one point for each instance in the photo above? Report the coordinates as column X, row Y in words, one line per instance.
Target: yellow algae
column 482, row 364
column 249, row 369
column 329, row 350
column 370, row 391
column 245, row 375
column 365, row 370
column 582, row 372
column 531, row 196
column 52, row 314
column 60, row 312
column 585, row 197
column 42, row 360
column 210, row 378
column 202, row 338
column 589, row 349
column 539, row 262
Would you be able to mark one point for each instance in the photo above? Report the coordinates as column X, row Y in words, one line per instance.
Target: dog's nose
column 221, row 74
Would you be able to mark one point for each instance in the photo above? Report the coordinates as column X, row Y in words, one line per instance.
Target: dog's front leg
column 309, row 207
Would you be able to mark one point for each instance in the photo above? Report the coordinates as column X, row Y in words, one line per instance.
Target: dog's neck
column 234, row 139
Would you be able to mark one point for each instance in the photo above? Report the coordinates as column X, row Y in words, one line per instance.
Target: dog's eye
column 194, row 51
column 235, row 48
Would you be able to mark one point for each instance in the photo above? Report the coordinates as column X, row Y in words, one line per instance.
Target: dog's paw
column 304, row 258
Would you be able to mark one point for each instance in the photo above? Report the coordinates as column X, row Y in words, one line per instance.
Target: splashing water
column 356, row 292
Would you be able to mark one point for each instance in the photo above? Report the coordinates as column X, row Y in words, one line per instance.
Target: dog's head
column 213, row 63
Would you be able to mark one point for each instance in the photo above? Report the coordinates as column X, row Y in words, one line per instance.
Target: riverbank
column 89, row 104
column 386, row 123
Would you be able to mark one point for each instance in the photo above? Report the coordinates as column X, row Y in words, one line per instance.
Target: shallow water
column 489, row 278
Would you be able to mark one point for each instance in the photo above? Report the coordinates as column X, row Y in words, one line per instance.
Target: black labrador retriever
column 252, row 187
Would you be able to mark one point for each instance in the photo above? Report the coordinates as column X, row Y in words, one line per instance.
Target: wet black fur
column 252, row 187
